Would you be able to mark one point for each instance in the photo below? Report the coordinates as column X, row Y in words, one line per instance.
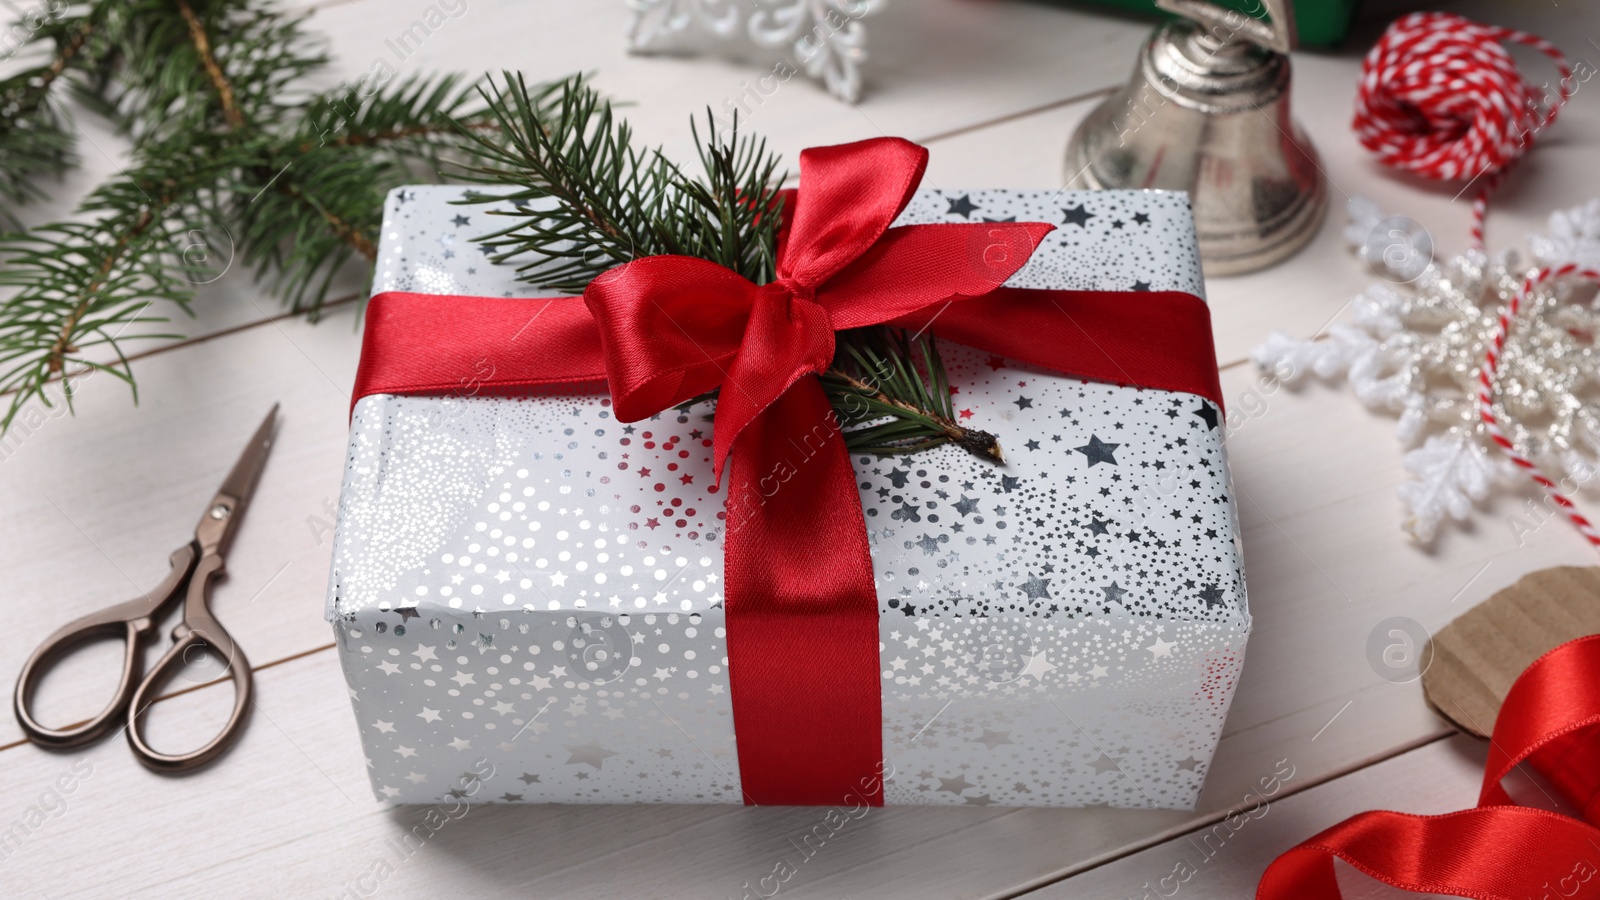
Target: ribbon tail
column 1492, row 853
column 1495, row 851
column 1159, row 339
column 802, row 612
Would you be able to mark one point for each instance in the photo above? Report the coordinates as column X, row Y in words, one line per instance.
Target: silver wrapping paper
column 527, row 594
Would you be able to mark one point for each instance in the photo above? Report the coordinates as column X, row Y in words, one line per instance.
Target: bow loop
column 849, row 195
column 669, row 329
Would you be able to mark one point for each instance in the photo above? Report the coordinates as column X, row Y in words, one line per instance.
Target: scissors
column 193, row 567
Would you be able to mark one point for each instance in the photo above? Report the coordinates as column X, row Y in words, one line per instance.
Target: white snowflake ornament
column 1452, row 472
column 1415, row 346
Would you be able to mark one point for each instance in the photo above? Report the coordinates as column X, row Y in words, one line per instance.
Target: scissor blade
column 242, row 480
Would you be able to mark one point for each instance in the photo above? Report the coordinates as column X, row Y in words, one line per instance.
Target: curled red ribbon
column 802, row 610
column 1496, row 851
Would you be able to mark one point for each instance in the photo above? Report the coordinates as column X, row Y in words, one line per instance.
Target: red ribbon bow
column 675, row 327
column 802, row 611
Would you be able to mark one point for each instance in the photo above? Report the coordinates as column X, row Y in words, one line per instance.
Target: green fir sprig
column 35, row 136
column 231, row 158
column 893, row 396
column 584, row 198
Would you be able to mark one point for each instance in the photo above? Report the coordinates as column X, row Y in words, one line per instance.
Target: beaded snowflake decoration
column 1415, row 347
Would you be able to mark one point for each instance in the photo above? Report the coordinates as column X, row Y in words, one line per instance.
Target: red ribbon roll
column 802, row 610
column 1496, row 851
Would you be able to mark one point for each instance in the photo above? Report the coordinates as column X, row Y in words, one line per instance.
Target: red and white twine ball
column 1441, row 97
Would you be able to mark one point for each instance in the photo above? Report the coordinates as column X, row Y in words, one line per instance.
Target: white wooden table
column 93, row 504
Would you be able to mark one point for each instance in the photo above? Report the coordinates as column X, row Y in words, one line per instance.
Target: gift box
column 528, row 594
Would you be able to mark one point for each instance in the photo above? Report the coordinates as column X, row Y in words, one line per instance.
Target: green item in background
column 1320, row 23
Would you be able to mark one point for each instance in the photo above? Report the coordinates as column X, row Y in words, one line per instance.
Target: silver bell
column 1207, row 111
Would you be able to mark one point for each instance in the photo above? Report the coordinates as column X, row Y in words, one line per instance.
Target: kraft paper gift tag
column 1475, row 659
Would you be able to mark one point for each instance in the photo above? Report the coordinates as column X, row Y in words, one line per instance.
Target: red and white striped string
column 1486, row 380
column 1441, row 98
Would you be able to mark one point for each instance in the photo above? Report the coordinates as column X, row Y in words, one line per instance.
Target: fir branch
column 314, row 201
column 416, row 119
column 561, row 143
column 38, row 83
column 219, row 81
column 81, row 285
column 55, row 359
column 221, row 139
column 892, row 398
column 407, row 133
column 224, row 143
column 204, row 67
column 585, row 199
column 33, row 134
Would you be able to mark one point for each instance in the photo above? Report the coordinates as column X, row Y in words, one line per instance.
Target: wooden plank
column 227, row 295
column 1326, row 564
column 1307, row 683
column 935, row 65
column 1226, row 860
column 96, row 503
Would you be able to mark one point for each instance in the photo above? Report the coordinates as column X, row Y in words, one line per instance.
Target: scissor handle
column 198, row 628
column 130, row 621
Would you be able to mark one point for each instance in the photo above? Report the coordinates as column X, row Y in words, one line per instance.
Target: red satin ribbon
column 801, row 605
column 1496, row 851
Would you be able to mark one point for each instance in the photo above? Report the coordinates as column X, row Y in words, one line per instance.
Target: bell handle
column 1276, row 33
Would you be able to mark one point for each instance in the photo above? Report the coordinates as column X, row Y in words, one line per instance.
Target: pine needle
column 231, row 154
column 583, row 199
